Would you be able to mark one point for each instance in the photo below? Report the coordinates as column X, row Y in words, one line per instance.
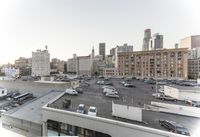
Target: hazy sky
column 75, row 26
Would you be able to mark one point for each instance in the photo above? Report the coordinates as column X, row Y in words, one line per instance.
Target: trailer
column 127, row 112
column 3, row 92
column 183, row 92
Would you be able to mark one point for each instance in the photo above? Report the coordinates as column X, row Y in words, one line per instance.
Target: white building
column 84, row 65
column 10, row 72
column 72, row 64
column 41, row 63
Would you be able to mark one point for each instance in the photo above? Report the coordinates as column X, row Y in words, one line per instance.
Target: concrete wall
column 111, row 127
column 177, row 109
column 128, row 112
column 22, row 127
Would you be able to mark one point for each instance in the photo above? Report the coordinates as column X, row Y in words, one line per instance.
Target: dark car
column 174, row 127
column 129, row 85
column 79, row 90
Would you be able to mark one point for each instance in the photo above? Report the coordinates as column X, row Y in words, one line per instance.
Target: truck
column 3, row 93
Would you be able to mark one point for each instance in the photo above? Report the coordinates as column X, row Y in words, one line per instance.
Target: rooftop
column 32, row 111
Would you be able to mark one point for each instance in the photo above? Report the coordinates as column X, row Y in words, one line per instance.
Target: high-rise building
column 190, row 42
column 72, row 64
column 84, row 65
column 147, row 37
column 156, row 42
column 102, row 50
column 164, row 64
column 41, row 63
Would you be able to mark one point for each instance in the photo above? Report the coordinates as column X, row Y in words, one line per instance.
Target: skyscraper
column 102, row 49
column 156, row 42
column 147, row 37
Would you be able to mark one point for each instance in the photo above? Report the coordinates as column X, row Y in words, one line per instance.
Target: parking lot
column 142, row 94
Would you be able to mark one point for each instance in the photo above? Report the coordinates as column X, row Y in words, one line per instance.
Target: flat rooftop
column 32, row 110
column 142, row 94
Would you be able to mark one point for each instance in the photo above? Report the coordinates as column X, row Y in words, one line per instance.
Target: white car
column 81, row 109
column 107, row 90
column 2, row 111
column 100, row 82
column 92, row 111
column 71, row 92
column 157, row 94
column 108, row 87
column 112, row 95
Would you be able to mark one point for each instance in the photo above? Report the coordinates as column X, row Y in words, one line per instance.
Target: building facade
column 190, row 42
column 72, row 64
column 165, row 63
column 10, row 73
column 21, row 62
column 194, row 53
column 110, row 72
column 146, row 39
column 84, row 65
column 40, row 63
column 194, row 68
column 118, row 49
column 102, row 50
column 24, row 66
column 57, row 65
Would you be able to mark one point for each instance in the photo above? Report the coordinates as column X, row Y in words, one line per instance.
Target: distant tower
column 146, row 39
column 92, row 61
column 102, row 50
column 46, row 47
column 93, row 53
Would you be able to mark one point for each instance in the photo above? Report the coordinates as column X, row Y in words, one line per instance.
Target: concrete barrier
column 177, row 109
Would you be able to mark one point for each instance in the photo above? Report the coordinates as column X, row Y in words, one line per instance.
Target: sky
column 75, row 26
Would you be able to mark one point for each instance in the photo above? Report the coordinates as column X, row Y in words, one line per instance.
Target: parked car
column 157, row 94
column 84, row 85
column 2, row 111
column 79, row 90
column 196, row 103
column 108, row 83
column 100, row 82
column 112, row 95
column 71, row 92
column 164, row 97
column 108, row 87
column 106, row 90
column 129, row 85
column 81, row 109
column 162, row 83
column 174, row 127
column 122, row 82
column 92, row 111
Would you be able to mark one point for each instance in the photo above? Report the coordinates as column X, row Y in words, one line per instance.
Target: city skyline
column 69, row 27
